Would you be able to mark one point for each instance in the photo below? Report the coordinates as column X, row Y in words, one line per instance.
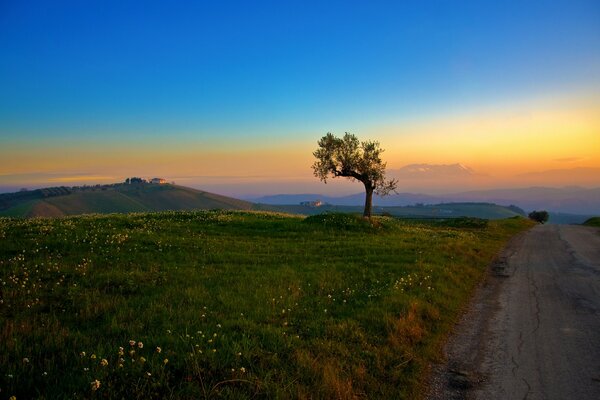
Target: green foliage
column 594, row 221
column 241, row 304
column 349, row 158
column 539, row 216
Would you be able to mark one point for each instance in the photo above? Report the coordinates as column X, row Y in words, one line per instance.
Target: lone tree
column 350, row 158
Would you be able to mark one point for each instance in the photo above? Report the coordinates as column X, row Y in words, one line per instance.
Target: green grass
column 241, row 304
column 19, row 210
column 594, row 221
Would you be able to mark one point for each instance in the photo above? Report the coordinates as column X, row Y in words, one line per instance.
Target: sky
column 232, row 96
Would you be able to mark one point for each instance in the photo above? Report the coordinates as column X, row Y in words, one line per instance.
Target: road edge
column 463, row 352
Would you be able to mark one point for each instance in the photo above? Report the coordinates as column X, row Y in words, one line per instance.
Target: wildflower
column 166, row 361
column 12, row 398
column 25, row 360
column 93, row 356
column 132, row 343
column 121, row 351
column 95, row 385
column 86, row 369
column 239, row 354
column 218, row 325
column 44, row 373
column 82, row 354
column 148, row 373
column 131, row 352
column 120, row 365
column 158, row 349
column 142, row 360
column 140, row 345
column 104, row 362
column 243, row 370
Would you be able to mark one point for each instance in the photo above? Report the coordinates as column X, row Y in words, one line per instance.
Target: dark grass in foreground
column 232, row 304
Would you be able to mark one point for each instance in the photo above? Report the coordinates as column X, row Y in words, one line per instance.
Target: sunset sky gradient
column 232, row 96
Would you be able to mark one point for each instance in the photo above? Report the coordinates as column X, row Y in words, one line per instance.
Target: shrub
column 539, row 216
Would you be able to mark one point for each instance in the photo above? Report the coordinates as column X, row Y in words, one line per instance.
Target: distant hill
column 431, row 171
column 400, row 199
column 447, row 210
column 580, row 202
column 115, row 198
column 571, row 200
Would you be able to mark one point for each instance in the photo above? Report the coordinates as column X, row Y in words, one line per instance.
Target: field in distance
column 144, row 197
column 232, row 304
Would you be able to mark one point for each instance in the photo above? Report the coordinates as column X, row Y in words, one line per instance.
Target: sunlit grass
column 231, row 304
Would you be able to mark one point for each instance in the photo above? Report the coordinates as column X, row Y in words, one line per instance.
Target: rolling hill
column 115, row 198
column 145, row 197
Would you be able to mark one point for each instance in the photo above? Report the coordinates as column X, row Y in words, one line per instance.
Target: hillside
column 232, row 304
column 116, row 198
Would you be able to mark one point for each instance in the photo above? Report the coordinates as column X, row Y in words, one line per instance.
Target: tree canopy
column 350, row 158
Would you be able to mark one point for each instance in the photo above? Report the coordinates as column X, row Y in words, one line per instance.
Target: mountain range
column 573, row 200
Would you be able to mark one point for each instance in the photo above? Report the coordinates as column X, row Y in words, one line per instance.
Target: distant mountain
column 116, row 198
column 431, row 171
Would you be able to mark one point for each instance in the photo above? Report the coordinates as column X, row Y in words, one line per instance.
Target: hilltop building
column 156, row 181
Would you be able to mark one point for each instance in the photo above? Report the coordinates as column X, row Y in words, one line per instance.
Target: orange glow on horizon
column 497, row 145
column 502, row 144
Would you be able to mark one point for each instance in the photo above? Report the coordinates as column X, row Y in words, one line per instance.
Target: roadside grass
column 594, row 221
column 230, row 304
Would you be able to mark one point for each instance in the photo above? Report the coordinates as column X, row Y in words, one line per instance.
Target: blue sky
column 247, row 73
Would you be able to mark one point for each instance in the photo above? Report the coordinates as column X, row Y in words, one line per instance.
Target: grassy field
column 231, row 304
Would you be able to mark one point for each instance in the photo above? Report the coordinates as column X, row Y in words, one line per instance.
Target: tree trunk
column 368, row 202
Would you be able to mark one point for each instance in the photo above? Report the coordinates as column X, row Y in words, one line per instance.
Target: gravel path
column 533, row 329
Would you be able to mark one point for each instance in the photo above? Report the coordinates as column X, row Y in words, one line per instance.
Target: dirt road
column 533, row 330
